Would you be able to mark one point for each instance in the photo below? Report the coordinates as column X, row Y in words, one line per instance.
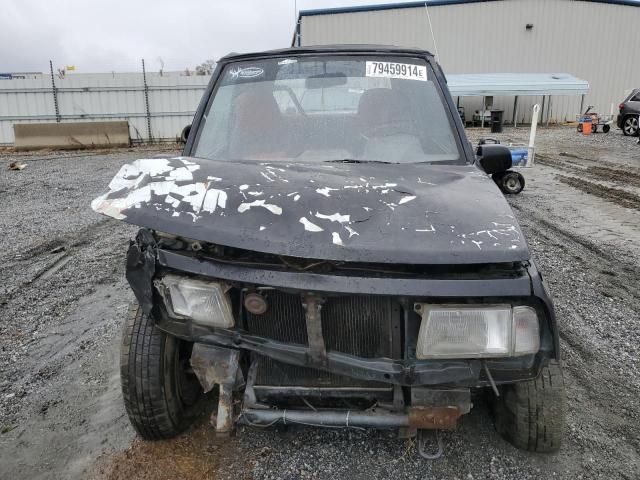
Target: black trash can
column 496, row 121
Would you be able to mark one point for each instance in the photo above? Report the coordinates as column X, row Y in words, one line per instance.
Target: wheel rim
column 631, row 125
column 512, row 183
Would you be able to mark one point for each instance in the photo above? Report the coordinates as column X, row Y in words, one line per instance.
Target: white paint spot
column 214, row 198
column 262, row 227
column 368, row 209
column 267, row 177
column 255, row 194
column 296, row 198
column 174, row 202
column 336, row 238
column 335, row 217
column 214, row 179
column 325, row 191
column 351, row 231
column 386, row 185
column 477, row 244
column 423, row 182
column 309, row 226
column 429, row 229
column 180, row 175
column 244, row 187
column 275, row 209
column 406, row 199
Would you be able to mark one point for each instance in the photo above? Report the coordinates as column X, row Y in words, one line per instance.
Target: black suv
column 629, row 113
column 330, row 251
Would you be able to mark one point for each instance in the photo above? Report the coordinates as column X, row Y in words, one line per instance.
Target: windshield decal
column 406, row 71
column 246, row 72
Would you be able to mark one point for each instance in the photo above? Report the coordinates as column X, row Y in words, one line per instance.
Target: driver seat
column 257, row 129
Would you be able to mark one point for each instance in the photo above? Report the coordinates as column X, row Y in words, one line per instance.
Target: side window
column 635, row 98
column 213, row 137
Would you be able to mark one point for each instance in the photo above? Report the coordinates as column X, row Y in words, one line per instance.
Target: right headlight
column 476, row 331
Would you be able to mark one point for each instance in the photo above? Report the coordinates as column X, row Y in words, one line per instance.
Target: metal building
column 596, row 40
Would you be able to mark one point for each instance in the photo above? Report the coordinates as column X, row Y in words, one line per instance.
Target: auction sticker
column 405, row 71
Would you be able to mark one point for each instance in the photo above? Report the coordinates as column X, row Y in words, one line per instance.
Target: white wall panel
column 173, row 99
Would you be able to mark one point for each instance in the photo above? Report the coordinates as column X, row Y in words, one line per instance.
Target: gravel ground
column 64, row 297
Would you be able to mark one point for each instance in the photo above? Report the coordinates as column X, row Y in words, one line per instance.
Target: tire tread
column 531, row 414
column 144, row 387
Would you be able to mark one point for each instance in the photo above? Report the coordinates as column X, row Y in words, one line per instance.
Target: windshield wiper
column 353, row 160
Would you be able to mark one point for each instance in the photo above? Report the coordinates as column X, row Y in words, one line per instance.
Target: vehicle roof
column 328, row 49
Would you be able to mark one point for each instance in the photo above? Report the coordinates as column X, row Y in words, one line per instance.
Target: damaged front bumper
column 147, row 260
column 362, row 370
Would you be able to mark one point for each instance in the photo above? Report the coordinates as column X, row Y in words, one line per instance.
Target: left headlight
column 206, row 303
column 482, row 331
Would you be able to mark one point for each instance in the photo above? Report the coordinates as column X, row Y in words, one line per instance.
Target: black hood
column 386, row 213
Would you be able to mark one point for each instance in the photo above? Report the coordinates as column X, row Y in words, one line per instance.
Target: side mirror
column 494, row 158
column 185, row 133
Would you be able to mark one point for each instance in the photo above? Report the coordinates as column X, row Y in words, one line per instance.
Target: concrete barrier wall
column 71, row 135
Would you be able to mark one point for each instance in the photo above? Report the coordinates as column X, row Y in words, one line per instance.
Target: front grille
column 283, row 321
column 360, row 325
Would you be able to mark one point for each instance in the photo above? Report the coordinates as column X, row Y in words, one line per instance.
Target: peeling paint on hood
column 411, row 213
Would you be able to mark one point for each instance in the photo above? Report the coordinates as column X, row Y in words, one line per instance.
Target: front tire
column 162, row 395
column 531, row 415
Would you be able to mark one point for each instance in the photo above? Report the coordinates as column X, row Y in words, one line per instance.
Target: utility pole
column 146, row 101
column 54, row 90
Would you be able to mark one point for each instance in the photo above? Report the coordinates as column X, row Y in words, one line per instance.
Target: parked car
column 330, row 251
column 629, row 113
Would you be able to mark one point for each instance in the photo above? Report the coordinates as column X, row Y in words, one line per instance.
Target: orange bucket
column 586, row 128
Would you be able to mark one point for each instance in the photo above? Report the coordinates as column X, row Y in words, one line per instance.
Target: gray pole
column 54, row 90
column 146, row 102
column 514, row 120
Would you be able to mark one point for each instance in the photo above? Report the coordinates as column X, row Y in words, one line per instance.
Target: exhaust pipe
column 417, row 417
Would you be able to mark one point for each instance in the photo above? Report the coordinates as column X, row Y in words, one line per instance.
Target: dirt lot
column 63, row 297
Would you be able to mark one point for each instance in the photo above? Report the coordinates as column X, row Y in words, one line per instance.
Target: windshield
column 325, row 108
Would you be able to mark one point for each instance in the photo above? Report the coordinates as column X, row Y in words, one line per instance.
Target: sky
column 114, row 35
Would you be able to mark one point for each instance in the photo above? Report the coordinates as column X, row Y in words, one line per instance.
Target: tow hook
column 422, row 434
